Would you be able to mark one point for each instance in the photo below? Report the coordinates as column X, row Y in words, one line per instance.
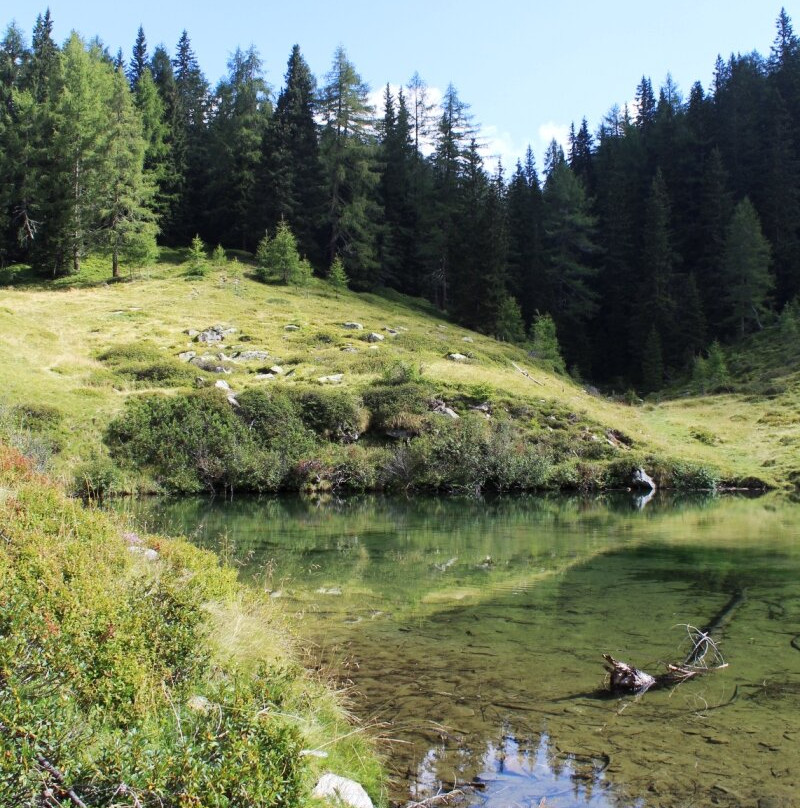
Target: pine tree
column 277, row 257
column 398, row 247
column 348, row 149
column 293, row 180
column 18, row 121
column 657, row 306
column 158, row 166
column 454, row 133
column 526, row 273
column 747, row 279
column 188, row 142
column 76, row 178
column 236, row 131
column 337, row 277
column 569, row 237
column 127, row 224
column 139, row 60
column 544, row 343
column 581, row 159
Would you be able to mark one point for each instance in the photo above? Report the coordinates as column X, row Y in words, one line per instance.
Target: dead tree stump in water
column 703, row 657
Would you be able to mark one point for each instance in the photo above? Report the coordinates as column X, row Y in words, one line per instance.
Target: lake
column 473, row 633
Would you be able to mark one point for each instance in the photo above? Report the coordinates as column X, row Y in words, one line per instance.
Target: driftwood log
column 703, row 657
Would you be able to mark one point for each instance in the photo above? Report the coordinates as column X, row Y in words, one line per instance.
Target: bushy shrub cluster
column 110, row 687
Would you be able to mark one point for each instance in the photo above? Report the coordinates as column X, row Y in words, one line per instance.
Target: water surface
column 473, row 633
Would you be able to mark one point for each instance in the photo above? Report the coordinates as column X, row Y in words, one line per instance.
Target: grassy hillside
column 76, row 350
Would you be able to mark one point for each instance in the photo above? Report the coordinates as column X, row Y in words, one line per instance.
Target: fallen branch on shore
column 703, row 657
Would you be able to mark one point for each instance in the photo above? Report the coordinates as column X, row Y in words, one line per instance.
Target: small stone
column 373, row 337
column 349, row 349
column 222, row 384
column 467, row 339
column 333, row 590
column 276, row 369
column 353, row 326
column 187, row 356
column 192, row 332
column 334, row 378
column 390, row 331
column 232, row 401
column 457, row 357
column 291, row 328
column 209, row 336
column 317, row 753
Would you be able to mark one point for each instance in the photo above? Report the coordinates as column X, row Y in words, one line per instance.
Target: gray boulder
column 373, row 337
column 186, row 356
column 353, row 326
column 457, row 357
column 248, row 356
column 334, row 378
column 291, row 328
column 642, row 481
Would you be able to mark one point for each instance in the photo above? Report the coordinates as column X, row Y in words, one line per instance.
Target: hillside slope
column 76, row 350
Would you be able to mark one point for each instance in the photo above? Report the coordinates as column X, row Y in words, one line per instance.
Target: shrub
column 333, row 414
column 192, row 442
column 391, row 404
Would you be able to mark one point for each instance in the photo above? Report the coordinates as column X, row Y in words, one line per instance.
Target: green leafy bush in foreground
column 122, row 680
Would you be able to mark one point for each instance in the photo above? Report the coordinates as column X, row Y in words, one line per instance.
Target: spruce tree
column 747, row 277
column 236, row 131
column 526, row 273
column 126, row 221
column 348, row 149
column 569, row 238
column 139, row 60
column 292, row 180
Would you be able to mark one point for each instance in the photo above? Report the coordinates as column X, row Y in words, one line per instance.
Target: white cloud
column 499, row 145
column 553, row 131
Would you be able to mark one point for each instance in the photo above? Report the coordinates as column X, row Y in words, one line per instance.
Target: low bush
column 113, row 689
column 333, row 414
column 193, row 442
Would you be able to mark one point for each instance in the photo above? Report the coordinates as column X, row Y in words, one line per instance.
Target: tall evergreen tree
column 526, row 273
column 126, row 222
column 189, row 143
column 348, row 146
column 569, row 237
column 236, row 131
column 293, row 180
column 139, row 61
column 398, row 250
column 748, row 280
column 655, row 289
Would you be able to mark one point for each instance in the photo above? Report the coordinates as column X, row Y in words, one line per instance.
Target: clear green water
column 473, row 635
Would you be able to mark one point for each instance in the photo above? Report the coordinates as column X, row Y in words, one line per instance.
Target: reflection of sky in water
column 515, row 777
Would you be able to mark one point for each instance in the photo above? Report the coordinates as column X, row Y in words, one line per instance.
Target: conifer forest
column 662, row 229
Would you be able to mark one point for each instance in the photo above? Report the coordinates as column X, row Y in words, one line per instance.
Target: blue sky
column 527, row 68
